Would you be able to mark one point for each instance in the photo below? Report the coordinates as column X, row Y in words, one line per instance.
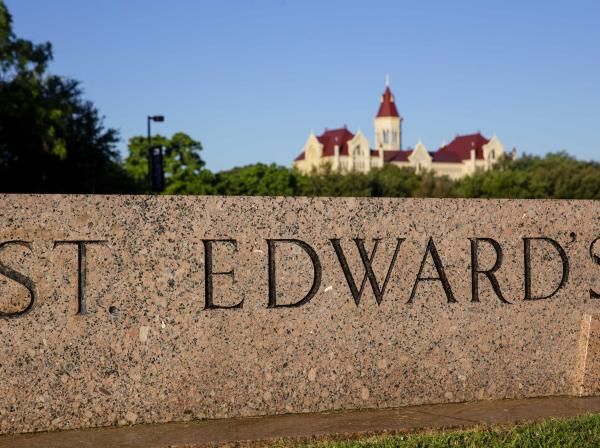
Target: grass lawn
column 577, row 432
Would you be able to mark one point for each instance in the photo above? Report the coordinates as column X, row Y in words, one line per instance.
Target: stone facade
column 117, row 310
column 346, row 152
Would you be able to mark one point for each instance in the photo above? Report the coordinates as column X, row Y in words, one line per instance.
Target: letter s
column 21, row 279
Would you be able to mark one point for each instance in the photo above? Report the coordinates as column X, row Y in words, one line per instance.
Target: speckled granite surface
column 125, row 328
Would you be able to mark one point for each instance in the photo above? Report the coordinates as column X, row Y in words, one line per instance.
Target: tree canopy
column 183, row 166
column 51, row 139
column 257, row 180
column 556, row 175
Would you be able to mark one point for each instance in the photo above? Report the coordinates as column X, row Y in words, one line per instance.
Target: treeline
column 557, row 176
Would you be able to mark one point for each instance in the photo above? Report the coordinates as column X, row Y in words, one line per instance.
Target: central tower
column 388, row 123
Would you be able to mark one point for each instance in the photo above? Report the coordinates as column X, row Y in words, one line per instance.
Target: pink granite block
column 131, row 309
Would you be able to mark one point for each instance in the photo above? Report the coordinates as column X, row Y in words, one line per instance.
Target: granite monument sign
column 118, row 310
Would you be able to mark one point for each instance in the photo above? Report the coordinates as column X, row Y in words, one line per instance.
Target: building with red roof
column 344, row 151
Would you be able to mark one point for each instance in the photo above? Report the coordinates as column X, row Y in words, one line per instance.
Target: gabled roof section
column 459, row 149
column 330, row 139
column 335, row 137
column 387, row 108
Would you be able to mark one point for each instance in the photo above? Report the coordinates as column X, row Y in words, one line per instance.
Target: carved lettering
column 209, row 273
column 379, row 282
column 439, row 267
column 527, row 265
column 81, row 269
column 317, row 273
column 489, row 273
column 595, row 259
column 21, row 279
column 367, row 260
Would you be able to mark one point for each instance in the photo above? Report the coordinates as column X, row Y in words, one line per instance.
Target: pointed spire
column 387, row 108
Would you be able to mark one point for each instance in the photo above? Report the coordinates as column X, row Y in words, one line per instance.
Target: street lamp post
column 155, row 158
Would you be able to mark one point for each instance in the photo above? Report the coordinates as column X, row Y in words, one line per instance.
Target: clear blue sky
column 250, row 79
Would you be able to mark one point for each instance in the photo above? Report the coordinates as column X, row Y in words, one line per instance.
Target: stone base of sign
column 261, row 431
column 120, row 310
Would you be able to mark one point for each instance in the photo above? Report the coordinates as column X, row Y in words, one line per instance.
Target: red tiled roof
column 335, row 137
column 456, row 151
column 460, row 148
column 330, row 139
column 445, row 157
column 388, row 105
column 397, row 156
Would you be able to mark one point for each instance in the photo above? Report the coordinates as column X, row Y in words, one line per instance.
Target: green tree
column 432, row 186
column 257, row 180
column 20, row 58
column 51, row 139
column 184, row 168
column 136, row 162
column 392, row 181
column 556, row 175
column 326, row 182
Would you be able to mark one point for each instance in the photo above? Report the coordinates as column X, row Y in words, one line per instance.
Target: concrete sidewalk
column 259, row 431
